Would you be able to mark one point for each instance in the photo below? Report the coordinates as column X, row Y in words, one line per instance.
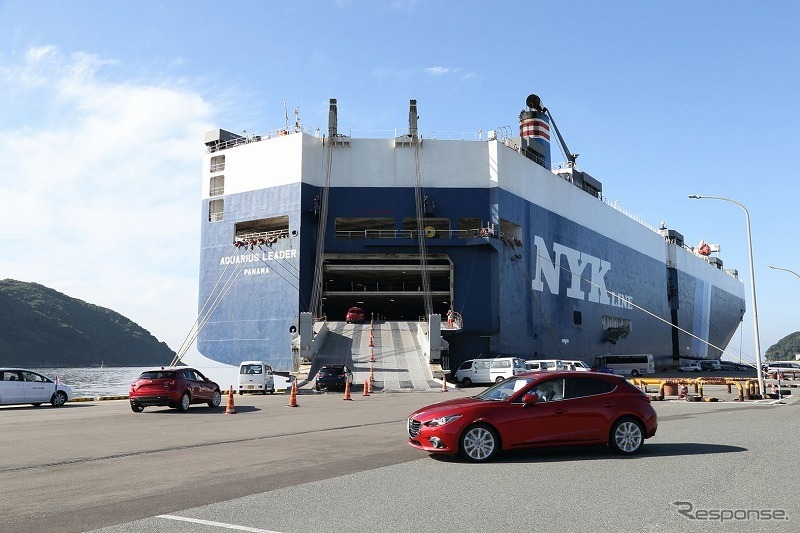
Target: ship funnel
column 534, row 131
column 332, row 126
column 412, row 119
column 534, row 102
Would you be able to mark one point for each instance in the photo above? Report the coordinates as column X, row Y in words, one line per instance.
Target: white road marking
column 217, row 524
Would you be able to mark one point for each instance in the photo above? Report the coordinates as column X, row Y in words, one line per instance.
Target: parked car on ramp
column 540, row 409
column 354, row 314
column 333, row 377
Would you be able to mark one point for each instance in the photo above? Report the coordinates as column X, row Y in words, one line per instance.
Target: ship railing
column 615, row 205
column 438, row 286
column 260, row 237
column 472, row 233
column 247, row 138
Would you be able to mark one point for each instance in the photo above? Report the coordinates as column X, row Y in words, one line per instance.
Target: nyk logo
column 581, row 266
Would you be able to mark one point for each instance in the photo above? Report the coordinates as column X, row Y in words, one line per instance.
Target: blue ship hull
column 535, row 265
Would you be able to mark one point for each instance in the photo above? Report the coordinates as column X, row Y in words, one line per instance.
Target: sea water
column 94, row 382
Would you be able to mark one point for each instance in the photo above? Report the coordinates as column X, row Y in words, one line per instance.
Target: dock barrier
column 747, row 387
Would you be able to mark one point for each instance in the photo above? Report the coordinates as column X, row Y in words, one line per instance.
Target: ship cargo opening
column 385, row 286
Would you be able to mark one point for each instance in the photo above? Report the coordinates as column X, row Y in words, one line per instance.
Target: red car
column 354, row 314
column 176, row 387
column 536, row 410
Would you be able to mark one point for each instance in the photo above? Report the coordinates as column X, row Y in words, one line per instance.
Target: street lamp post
column 759, row 373
column 785, row 270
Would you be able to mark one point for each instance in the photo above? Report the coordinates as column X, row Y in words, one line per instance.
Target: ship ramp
column 400, row 363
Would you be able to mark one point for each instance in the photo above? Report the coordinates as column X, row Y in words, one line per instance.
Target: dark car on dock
column 176, row 387
column 333, row 377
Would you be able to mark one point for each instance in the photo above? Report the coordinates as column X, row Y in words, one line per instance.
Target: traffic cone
column 371, row 356
column 371, row 374
column 347, row 390
column 230, row 410
column 371, row 343
column 444, row 383
column 366, row 387
column 293, row 395
column 369, row 386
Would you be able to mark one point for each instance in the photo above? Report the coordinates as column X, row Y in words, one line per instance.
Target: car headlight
column 442, row 420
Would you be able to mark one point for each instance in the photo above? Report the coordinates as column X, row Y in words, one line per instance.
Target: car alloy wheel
column 215, row 399
column 479, row 443
column 627, row 436
column 59, row 398
column 136, row 408
column 183, row 405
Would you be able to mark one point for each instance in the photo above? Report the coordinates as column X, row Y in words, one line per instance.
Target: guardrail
column 747, row 387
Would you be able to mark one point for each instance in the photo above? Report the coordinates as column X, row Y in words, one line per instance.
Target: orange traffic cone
column 444, row 383
column 371, row 374
column 371, row 356
column 366, row 387
column 230, row 410
column 347, row 391
column 293, row 395
column 371, row 343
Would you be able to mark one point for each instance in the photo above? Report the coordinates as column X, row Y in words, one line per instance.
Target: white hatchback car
column 18, row 385
column 690, row 367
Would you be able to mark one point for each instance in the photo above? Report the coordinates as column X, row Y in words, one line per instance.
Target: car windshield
column 157, row 374
column 504, row 389
column 331, row 370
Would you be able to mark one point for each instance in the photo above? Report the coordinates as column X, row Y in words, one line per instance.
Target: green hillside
column 41, row 327
column 785, row 349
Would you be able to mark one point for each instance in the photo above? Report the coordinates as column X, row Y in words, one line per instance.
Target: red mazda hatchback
column 176, row 387
column 537, row 410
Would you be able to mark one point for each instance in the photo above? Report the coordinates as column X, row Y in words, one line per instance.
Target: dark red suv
column 176, row 387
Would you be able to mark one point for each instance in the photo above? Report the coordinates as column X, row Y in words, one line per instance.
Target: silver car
column 18, row 386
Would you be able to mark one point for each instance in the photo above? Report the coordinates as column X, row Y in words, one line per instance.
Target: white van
column 489, row 370
column 550, row 365
column 580, row 366
column 256, row 376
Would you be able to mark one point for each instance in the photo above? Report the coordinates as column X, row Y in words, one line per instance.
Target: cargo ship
column 527, row 254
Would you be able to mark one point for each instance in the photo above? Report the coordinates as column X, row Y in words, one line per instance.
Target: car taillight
column 319, row 375
column 169, row 384
column 341, row 375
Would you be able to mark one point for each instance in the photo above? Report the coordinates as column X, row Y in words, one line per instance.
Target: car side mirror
column 530, row 398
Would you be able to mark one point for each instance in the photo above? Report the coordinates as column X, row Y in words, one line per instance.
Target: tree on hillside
column 785, row 349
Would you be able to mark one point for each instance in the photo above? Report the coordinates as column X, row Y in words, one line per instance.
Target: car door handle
column 609, row 405
column 560, row 411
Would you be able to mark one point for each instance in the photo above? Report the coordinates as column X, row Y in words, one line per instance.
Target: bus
column 635, row 365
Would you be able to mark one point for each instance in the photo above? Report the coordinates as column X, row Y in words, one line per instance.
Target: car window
column 466, row 365
column 32, row 376
column 157, row 374
column 550, row 390
column 11, row 375
column 481, row 365
column 581, row 387
column 501, row 364
column 251, row 369
column 504, row 390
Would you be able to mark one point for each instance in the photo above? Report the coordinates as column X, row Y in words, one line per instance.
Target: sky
column 104, row 106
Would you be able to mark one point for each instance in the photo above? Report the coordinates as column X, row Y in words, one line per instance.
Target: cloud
column 101, row 185
column 440, row 71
